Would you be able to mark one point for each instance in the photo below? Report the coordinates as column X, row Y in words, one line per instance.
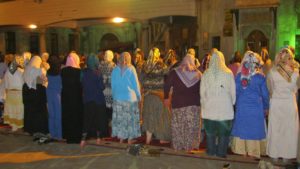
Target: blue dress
column 249, row 120
column 54, row 106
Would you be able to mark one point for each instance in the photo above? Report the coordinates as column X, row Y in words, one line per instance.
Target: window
column 216, row 42
column 297, row 46
column 71, row 42
column 54, row 44
column 10, row 42
column 298, row 21
column 34, row 43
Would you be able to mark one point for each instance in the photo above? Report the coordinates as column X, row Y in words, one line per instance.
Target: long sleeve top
column 125, row 86
column 14, row 81
column 217, row 99
column 92, row 85
column 182, row 96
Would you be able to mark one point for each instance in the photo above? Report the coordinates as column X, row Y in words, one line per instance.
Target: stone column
column 77, row 39
column 138, row 35
column 42, row 39
column 145, row 37
column 2, row 42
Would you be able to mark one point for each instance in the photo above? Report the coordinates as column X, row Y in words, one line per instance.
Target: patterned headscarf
column 170, row 55
column 92, row 62
column 217, row 71
column 188, row 72
column 152, row 59
column 15, row 64
column 251, row 65
column 282, row 66
column 27, row 57
column 73, row 60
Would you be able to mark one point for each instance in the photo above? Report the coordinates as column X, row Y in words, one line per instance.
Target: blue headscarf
column 92, row 62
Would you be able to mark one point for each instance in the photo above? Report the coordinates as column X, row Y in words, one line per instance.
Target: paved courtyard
column 18, row 151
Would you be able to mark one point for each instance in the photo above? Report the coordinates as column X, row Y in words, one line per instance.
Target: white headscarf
column 33, row 71
column 217, row 72
column 108, row 56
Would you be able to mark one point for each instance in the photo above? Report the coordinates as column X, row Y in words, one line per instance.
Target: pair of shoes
column 44, row 140
column 37, row 136
column 226, row 166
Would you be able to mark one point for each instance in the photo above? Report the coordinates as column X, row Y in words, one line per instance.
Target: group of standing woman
column 169, row 100
column 271, row 96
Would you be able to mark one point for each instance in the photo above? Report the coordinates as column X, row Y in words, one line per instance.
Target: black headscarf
column 55, row 66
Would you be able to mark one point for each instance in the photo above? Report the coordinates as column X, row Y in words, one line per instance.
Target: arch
column 108, row 41
column 256, row 40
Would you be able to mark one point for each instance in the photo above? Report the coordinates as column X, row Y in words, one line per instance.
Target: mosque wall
column 53, row 11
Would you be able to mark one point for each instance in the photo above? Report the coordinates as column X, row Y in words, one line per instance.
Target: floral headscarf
column 251, row 65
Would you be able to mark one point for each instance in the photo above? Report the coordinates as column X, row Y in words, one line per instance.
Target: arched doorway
column 111, row 42
column 256, row 40
column 108, row 41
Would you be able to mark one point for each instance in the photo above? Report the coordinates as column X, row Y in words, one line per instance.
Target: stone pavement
column 18, row 151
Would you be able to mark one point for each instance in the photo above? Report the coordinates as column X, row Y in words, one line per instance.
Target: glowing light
column 32, row 26
column 118, row 20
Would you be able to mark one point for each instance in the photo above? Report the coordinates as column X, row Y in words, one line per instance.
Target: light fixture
column 118, row 20
column 32, row 26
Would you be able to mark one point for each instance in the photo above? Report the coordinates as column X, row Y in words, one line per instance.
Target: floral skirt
column 185, row 127
column 125, row 120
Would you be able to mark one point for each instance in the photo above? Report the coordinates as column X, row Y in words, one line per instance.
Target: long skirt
column 283, row 128
column 156, row 117
column 35, row 109
column 95, row 119
column 54, row 108
column 185, row 127
column 14, row 109
column 254, row 148
column 125, row 120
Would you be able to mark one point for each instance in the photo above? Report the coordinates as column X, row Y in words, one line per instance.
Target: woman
column 71, row 100
column 156, row 118
column 249, row 129
column 217, row 100
column 283, row 117
column 95, row 118
column 205, row 62
column 171, row 60
column 35, row 99
column 185, row 123
column 235, row 63
column 138, row 61
column 13, row 107
column 54, row 98
column 105, row 68
column 266, row 59
column 126, row 95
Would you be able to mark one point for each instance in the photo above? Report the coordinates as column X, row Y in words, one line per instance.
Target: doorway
column 256, row 40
